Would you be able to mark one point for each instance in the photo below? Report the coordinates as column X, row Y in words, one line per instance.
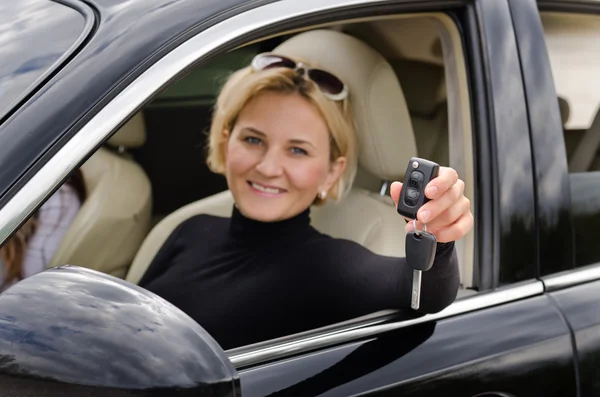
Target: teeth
column 265, row 189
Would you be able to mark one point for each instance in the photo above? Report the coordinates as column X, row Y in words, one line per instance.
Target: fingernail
column 432, row 191
column 424, row 216
column 409, row 227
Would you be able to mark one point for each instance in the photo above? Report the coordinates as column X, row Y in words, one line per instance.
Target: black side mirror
column 71, row 331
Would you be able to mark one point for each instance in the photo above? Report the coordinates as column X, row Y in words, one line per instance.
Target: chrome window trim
column 147, row 84
column 571, row 278
column 331, row 336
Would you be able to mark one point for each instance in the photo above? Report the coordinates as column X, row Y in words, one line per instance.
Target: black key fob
column 420, row 250
column 418, row 174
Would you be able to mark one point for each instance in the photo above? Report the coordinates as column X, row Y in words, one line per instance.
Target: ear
column 336, row 170
column 225, row 134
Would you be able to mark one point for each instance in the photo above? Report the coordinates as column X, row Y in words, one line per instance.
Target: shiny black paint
column 27, row 54
column 522, row 348
column 78, row 327
column 584, row 6
column 555, row 232
column 580, row 306
column 486, row 224
column 129, row 37
column 514, row 197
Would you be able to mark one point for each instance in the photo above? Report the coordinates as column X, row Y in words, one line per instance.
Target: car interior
column 407, row 115
column 410, row 89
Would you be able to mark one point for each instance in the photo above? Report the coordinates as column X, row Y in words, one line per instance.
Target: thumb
column 395, row 190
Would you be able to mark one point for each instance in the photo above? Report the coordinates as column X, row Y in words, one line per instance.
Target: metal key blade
column 420, row 254
column 415, row 299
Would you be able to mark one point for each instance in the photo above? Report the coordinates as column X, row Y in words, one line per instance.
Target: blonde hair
column 245, row 84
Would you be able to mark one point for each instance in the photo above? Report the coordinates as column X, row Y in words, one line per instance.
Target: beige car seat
column 115, row 217
column 386, row 143
column 424, row 85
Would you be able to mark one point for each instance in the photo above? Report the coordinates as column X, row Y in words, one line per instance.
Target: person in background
column 31, row 248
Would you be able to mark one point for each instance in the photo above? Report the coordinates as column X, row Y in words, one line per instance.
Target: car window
column 573, row 42
column 159, row 155
column 185, row 109
column 34, row 35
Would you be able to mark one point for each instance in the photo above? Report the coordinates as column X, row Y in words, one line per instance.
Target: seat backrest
column 385, row 140
column 425, row 88
column 115, row 216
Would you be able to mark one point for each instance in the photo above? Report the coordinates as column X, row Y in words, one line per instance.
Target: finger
column 448, row 217
column 429, row 211
column 446, row 178
column 395, row 189
column 457, row 230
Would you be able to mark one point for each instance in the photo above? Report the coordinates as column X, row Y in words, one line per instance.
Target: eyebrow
column 293, row 141
column 254, row 130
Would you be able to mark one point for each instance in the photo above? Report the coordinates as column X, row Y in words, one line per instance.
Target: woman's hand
column 448, row 215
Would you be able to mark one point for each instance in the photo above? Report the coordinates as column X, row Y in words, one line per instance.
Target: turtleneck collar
column 246, row 229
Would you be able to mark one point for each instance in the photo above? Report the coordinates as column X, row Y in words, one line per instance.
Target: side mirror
column 70, row 331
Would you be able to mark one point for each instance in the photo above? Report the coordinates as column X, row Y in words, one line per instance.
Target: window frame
column 224, row 35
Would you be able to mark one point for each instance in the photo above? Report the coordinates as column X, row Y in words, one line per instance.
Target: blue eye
column 252, row 140
column 297, row 150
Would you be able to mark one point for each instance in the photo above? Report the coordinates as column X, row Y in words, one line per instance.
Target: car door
column 566, row 157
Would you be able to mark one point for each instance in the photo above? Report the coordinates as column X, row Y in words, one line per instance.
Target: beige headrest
column 385, row 134
column 424, row 86
column 565, row 110
column 131, row 135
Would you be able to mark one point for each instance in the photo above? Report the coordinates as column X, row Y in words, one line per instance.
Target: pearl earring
column 323, row 194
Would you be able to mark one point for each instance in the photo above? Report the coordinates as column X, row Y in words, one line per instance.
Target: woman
column 31, row 248
column 283, row 136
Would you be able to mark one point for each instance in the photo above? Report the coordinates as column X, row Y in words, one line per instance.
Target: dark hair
column 13, row 251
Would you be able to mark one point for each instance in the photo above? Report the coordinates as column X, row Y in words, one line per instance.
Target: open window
column 426, row 54
column 162, row 147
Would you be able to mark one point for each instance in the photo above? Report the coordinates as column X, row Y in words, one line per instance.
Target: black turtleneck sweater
column 246, row 281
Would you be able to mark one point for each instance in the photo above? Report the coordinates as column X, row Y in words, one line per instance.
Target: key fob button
column 412, row 196
column 412, row 193
column 416, row 179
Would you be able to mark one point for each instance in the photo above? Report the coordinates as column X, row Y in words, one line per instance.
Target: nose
column 270, row 164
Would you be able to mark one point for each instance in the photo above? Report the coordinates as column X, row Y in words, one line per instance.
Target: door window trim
column 150, row 82
column 571, row 278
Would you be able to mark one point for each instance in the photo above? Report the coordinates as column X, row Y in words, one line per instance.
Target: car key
column 420, row 254
column 420, row 246
column 418, row 174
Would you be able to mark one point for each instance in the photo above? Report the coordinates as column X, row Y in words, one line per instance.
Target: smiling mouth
column 266, row 189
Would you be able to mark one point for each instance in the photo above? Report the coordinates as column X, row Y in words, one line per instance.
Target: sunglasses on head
column 331, row 86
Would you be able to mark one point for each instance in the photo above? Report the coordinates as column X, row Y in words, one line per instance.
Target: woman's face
column 277, row 158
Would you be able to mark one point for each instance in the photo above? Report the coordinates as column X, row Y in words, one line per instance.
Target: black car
column 504, row 91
